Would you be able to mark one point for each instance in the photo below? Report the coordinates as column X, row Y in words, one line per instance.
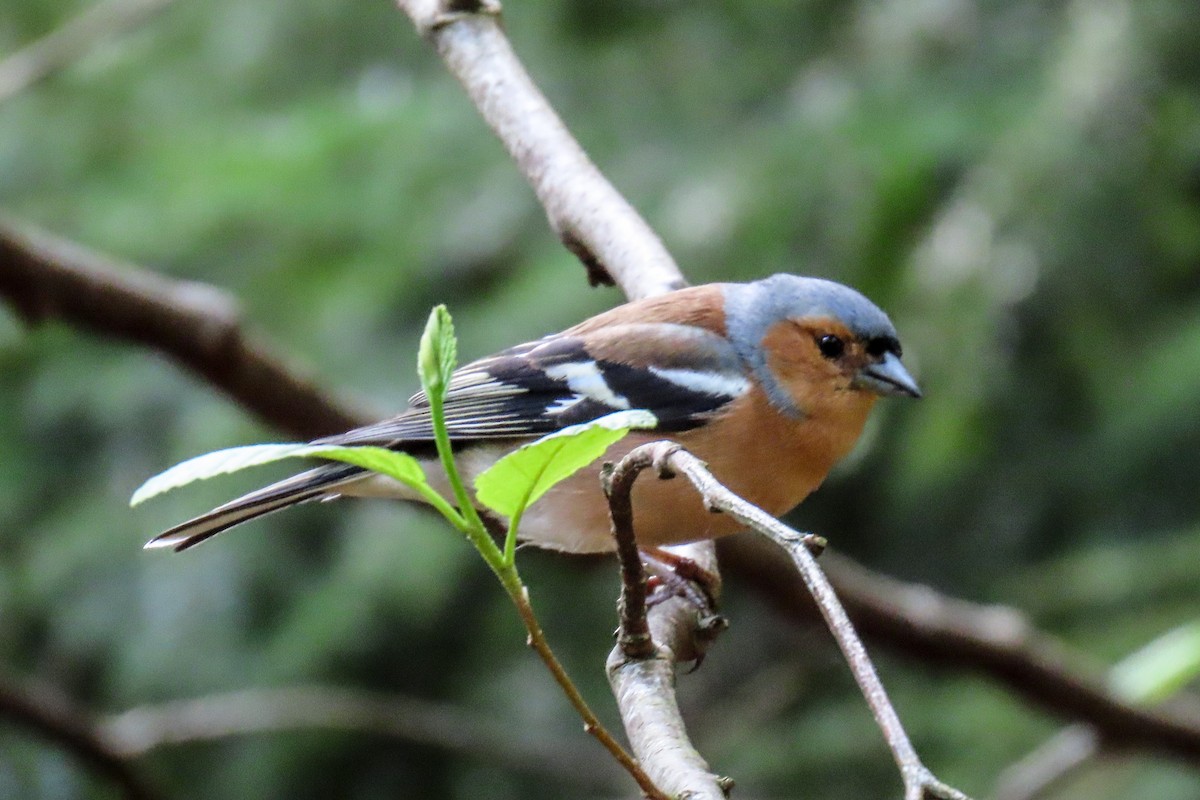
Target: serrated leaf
column 517, row 481
column 400, row 466
column 438, row 353
column 1161, row 668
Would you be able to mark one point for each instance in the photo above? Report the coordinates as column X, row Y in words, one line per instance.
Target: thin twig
column 919, row 782
column 590, row 216
column 592, row 725
column 56, row 719
column 636, row 638
column 633, row 634
column 997, row 641
column 1056, row 759
column 144, row 729
column 198, row 326
column 71, row 41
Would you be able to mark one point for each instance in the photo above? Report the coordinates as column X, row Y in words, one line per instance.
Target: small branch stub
column 634, row 632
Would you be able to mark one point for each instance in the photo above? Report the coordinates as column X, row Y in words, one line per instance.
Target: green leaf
column 517, row 481
column 394, row 464
column 438, row 354
column 1161, row 668
column 400, row 466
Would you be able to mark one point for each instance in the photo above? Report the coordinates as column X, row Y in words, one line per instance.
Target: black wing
column 540, row 387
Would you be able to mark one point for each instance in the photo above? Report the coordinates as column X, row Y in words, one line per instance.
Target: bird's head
column 813, row 342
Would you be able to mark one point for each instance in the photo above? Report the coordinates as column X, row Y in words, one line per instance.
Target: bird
column 770, row 382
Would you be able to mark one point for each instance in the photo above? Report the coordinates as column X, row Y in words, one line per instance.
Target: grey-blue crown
column 752, row 308
column 781, row 296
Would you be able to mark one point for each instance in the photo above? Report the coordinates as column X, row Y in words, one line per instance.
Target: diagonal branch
column 195, row 325
column 919, row 782
column 70, row 41
column 1051, row 763
column 995, row 641
column 591, row 217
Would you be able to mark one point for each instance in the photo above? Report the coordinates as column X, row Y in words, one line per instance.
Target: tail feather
column 314, row 484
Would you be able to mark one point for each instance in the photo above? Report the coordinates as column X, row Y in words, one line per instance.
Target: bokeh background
column 1017, row 182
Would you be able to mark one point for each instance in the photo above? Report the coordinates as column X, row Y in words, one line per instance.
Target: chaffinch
column 769, row 382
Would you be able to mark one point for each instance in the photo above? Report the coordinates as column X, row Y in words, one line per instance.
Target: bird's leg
column 672, row 575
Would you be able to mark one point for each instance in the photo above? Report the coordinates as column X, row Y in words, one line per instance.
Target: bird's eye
column 831, row 346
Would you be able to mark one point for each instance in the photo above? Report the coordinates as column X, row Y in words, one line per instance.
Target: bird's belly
column 774, row 472
column 573, row 517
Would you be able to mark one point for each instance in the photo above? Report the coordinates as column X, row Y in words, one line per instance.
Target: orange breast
column 771, row 460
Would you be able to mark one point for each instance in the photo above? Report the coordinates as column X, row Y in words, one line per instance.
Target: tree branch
column 71, row 41
column 633, row 634
column 1051, row 763
column 593, row 220
column 996, row 641
column 919, row 782
column 56, row 719
column 141, row 730
column 197, row 326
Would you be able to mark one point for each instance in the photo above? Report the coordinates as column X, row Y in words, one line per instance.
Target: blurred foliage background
column 1017, row 182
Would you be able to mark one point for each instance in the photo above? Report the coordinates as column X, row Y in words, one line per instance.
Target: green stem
column 503, row 564
column 443, row 507
column 510, row 538
column 537, row 640
column 475, row 530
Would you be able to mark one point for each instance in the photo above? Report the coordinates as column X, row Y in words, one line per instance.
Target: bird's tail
column 314, row 484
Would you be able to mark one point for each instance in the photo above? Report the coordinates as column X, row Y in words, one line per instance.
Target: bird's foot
column 670, row 575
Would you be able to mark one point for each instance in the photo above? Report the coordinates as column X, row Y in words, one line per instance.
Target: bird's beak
column 887, row 377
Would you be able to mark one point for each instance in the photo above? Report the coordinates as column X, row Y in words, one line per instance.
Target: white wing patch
column 717, row 384
column 480, row 383
column 564, row 404
column 584, row 378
